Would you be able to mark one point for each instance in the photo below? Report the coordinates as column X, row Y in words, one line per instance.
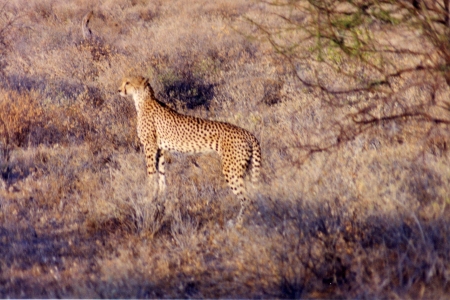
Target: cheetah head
column 131, row 85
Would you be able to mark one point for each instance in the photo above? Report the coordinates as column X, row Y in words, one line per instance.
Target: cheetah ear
column 145, row 81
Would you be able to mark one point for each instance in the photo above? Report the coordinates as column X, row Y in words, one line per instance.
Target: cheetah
column 162, row 129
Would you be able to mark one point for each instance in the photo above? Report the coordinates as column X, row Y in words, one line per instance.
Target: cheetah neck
column 143, row 97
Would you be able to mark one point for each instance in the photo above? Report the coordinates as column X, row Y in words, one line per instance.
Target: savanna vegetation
column 349, row 99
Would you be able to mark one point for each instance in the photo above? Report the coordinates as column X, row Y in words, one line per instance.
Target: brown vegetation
column 354, row 195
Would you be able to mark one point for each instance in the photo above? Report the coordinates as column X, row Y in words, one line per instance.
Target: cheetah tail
column 255, row 160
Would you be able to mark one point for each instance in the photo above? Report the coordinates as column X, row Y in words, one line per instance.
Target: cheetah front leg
column 161, row 173
column 151, row 157
column 155, row 169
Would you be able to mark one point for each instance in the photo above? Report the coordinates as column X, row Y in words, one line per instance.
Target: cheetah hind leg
column 244, row 205
column 235, row 180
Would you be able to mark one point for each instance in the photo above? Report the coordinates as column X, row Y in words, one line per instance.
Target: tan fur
column 163, row 129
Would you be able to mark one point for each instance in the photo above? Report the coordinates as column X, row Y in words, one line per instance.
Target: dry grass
column 368, row 219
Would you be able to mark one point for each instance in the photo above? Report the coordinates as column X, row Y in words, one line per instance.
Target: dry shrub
column 190, row 90
column 128, row 203
column 20, row 113
column 364, row 257
column 27, row 121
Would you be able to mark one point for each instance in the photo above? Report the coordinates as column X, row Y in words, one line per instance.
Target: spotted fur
column 162, row 129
